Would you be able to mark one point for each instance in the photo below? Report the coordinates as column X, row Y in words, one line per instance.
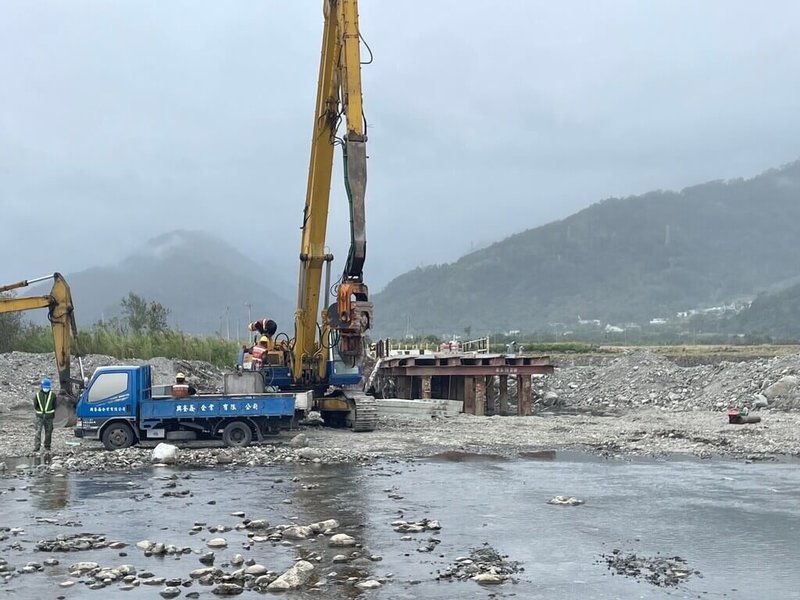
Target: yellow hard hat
column 180, row 376
column 264, row 339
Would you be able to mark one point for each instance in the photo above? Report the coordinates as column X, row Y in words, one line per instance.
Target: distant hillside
column 620, row 260
column 194, row 274
column 775, row 314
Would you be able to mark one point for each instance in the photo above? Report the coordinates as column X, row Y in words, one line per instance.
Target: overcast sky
column 120, row 120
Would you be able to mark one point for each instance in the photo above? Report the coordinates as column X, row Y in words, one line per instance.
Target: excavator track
column 364, row 413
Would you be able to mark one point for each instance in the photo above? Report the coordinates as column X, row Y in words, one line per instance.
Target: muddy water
column 737, row 524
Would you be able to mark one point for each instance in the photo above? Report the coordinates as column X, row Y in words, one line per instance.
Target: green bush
column 107, row 340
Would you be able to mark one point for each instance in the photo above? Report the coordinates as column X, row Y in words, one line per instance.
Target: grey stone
column 299, row 441
column 296, row 576
column 341, row 540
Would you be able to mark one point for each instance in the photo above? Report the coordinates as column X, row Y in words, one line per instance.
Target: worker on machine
column 258, row 352
column 266, row 327
column 181, row 388
column 44, row 404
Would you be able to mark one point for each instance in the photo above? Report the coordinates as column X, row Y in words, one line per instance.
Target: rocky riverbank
column 646, row 432
column 637, row 404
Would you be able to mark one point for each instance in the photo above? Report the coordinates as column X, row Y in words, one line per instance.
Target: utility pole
column 249, row 312
column 228, row 322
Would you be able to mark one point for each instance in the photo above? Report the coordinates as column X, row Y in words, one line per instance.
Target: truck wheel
column 117, row 436
column 237, row 434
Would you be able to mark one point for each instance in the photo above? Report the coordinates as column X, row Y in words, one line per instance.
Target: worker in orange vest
column 258, row 351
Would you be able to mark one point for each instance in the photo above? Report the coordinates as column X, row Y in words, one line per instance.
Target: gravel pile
column 643, row 378
column 483, row 565
column 22, row 372
column 661, row 571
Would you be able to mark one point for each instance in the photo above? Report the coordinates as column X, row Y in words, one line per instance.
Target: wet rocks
column 170, row 592
column 299, row 441
column 296, row 576
column 341, row 540
column 324, row 526
column 72, row 543
column 659, row 571
column 417, row 526
column 228, row 589
column 165, row 453
column 217, row 543
column 160, row 549
column 484, row 565
column 566, row 501
column 198, row 573
column 297, row 532
column 83, row 567
column 310, row 453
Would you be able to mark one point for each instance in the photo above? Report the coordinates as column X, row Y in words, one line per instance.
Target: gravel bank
column 638, row 404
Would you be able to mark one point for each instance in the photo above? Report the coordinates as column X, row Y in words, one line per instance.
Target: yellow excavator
column 60, row 313
column 324, row 356
column 326, row 353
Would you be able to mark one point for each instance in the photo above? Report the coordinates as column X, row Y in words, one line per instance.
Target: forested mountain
column 776, row 315
column 204, row 282
column 620, row 260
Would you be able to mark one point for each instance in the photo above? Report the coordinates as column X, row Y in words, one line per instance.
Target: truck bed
column 218, row 405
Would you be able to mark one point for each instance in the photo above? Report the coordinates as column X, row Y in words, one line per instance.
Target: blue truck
column 120, row 406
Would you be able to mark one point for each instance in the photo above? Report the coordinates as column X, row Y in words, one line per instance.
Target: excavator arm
column 60, row 313
column 338, row 98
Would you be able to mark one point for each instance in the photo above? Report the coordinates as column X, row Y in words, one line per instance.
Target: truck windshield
column 108, row 385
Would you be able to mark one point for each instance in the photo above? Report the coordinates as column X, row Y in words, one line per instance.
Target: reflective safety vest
column 45, row 404
column 258, row 352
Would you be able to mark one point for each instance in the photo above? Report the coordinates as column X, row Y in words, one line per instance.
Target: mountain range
column 619, row 261
column 207, row 285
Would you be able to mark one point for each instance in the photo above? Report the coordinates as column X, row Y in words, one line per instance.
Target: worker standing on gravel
column 44, row 404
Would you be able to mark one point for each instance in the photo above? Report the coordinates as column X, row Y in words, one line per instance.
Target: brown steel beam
column 468, row 370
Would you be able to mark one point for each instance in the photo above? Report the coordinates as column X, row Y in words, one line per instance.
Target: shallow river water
column 737, row 524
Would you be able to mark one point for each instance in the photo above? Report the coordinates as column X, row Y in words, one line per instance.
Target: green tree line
column 140, row 332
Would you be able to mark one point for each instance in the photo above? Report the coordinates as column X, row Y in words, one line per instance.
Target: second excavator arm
column 338, row 98
column 60, row 313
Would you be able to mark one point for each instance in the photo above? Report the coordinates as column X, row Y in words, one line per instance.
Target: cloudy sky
column 121, row 120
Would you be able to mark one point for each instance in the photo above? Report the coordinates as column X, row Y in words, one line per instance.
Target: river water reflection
column 737, row 524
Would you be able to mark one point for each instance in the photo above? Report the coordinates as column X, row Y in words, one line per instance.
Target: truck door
column 109, row 396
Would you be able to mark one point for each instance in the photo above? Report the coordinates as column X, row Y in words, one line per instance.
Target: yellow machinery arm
column 62, row 320
column 338, row 97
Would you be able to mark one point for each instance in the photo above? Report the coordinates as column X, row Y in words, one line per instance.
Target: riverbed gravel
column 638, row 404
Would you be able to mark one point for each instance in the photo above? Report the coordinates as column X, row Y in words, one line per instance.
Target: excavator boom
column 338, row 98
